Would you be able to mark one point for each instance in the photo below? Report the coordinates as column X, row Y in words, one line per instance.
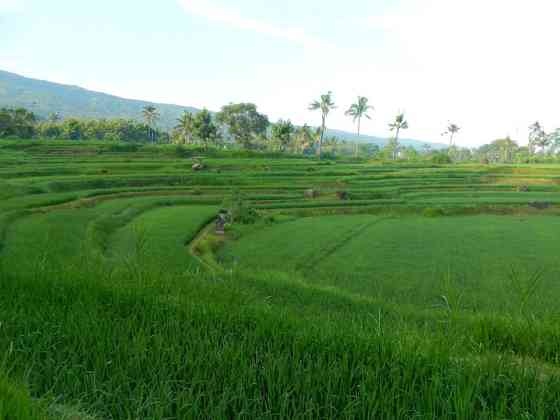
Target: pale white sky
column 491, row 66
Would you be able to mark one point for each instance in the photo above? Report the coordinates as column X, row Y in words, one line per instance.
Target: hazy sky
column 492, row 66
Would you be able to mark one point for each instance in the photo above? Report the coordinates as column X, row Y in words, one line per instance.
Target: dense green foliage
column 243, row 122
column 355, row 289
column 196, row 129
column 21, row 123
column 17, row 122
column 101, row 130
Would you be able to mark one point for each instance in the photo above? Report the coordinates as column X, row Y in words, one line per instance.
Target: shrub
column 433, row 212
column 343, row 195
column 208, row 245
column 124, row 148
column 441, row 159
column 270, row 219
column 238, row 209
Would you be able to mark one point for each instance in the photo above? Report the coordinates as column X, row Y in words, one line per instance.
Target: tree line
column 21, row 123
column 241, row 124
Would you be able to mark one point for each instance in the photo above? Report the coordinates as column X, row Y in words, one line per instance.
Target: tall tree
column 357, row 111
column 185, row 127
column 398, row 124
column 325, row 105
column 243, row 122
column 204, row 128
column 18, row 122
column 391, row 149
column 151, row 116
column 536, row 136
column 73, row 129
column 451, row 131
column 505, row 148
column 305, row 137
column 283, row 133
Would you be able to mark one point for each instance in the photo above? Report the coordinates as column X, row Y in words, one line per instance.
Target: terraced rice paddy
column 414, row 259
column 427, row 292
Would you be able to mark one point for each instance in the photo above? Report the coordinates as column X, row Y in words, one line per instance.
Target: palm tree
column 357, row 111
column 185, row 126
column 452, row 129
column 325, row 104
column 151, row 116
column 400, row 123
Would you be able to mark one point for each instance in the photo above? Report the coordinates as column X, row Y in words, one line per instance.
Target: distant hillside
column 44, row 97
column 381, row 141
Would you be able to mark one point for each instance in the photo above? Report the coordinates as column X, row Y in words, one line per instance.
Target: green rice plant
column 15, row 400
column 17, row 404
column 524, row 286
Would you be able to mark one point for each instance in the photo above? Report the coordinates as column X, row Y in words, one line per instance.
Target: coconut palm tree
column 151, row 116
column 185, row 126
column 325, row 105
column 399, row 123
column 357, row 111
column 452, row 129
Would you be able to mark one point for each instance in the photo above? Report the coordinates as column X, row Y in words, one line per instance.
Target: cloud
column 233, row 18
column 12, row 6
column 491, row 64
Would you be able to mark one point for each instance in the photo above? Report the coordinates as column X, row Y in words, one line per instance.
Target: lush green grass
column 203, row 347
column 16, row 403
column 67, row 235
column 161, row 236
column 314, row 313
column 412, row 259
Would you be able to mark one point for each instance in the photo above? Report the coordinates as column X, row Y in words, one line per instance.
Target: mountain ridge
column 44, row 97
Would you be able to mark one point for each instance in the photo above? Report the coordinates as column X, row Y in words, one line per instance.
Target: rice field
column 390, row 291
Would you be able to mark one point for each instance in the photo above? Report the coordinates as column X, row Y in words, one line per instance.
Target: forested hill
column 381, row 141
column 44, row 97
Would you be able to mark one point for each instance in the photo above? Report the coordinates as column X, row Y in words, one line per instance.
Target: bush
column 238, row 209
column 270, row 219
column 441, row 159
column 208, row 245
column 124, row 148
column 433, row 212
